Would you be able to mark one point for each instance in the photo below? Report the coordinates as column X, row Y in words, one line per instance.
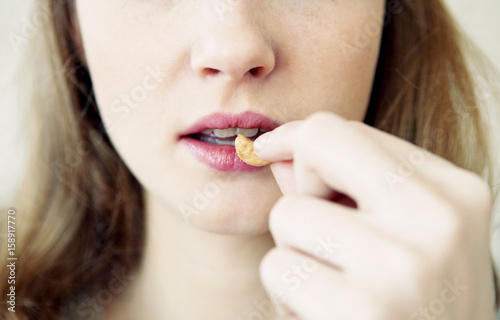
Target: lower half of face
column 175, row 81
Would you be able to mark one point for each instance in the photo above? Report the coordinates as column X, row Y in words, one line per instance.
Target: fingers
column 312, row 290
column 330, row 154
column 324, row 230
column 373, row 255
column 372, row 167
column 342, row 238
column 278, row 145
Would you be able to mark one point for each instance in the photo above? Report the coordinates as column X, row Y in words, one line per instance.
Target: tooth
column 216, row 141
column 225, row 133
column 208, row 131
column 247, row 132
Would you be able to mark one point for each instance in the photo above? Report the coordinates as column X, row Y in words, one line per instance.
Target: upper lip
column 218, row 120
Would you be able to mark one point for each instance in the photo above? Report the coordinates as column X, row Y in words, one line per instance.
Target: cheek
column 358, row 52
column 128, row 56
column 333, row 66
column 355, row 75
column 128, row 77
column 144, row 89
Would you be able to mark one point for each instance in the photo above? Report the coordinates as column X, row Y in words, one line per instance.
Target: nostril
column 255, row 71
column 211, row 71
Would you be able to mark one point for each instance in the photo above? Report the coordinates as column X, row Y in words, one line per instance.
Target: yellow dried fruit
column 244, row 149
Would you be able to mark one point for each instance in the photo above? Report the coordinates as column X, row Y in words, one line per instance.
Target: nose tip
column 233, row 52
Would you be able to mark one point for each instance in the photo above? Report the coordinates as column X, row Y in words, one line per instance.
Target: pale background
column 479, row 18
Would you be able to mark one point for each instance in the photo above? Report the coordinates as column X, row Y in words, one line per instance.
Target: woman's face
column 163, row 71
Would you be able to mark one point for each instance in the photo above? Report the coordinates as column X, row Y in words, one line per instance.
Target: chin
column 237, row 208
column 231, row 223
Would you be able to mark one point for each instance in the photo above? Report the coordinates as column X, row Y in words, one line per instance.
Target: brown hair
column 81, row 210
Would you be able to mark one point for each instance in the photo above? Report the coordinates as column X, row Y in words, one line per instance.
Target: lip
column 223, row 157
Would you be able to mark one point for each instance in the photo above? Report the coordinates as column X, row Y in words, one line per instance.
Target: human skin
column 193, row 58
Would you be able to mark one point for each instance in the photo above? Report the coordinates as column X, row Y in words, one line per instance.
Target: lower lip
column 220, row 158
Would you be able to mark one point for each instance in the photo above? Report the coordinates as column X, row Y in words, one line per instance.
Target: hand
column 415, row 246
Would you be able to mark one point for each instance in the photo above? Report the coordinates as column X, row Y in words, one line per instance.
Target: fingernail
column 261, row 142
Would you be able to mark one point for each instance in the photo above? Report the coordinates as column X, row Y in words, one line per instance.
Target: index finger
column 277, row 145
column 331, row 154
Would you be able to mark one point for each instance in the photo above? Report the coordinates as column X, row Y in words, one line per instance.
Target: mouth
column 226, row 137
column 211, row 139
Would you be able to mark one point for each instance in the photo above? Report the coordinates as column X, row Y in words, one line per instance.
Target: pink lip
column 224, row 158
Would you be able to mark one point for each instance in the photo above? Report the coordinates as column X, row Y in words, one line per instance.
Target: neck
column 189, row 273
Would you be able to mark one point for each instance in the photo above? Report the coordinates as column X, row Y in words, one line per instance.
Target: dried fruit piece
column 244, row 149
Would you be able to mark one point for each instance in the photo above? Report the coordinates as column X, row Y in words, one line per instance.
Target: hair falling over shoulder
column 80, row 211
column 81, row 208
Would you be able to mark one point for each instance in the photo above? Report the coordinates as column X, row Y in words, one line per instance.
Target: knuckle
column 409, row 267
column 451, row 232
column 445, row 211
column 481, row 194
column 453, row 226
column 413, row 261
column 473, row 193
column 453, row 237
column 450, row 224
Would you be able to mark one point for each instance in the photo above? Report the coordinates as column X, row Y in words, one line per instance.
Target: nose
column 234, row 46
